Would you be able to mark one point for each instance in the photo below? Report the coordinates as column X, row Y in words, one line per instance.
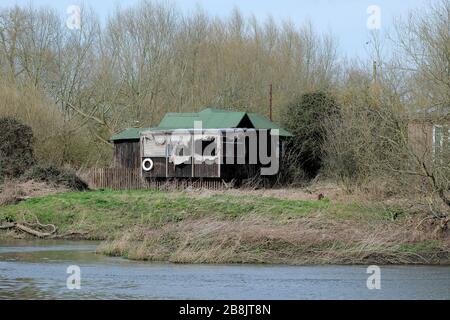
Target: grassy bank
column 190, row 227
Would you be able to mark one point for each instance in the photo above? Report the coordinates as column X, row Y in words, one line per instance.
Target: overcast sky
column 346, row 19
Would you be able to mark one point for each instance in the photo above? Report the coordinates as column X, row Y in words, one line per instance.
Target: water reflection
column 37, row 270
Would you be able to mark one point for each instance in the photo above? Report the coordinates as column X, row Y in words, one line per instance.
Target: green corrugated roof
column 178, row 121
column 211, row 119
column 129, row 134
column 219, row 119
column 261, row 122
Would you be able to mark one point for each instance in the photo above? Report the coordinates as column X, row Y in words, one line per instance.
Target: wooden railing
column 131, row 179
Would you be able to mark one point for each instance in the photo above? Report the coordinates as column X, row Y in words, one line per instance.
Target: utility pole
column 270, row 102
column 374, row 72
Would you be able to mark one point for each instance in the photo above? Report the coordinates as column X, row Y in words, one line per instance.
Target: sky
column 346, row 19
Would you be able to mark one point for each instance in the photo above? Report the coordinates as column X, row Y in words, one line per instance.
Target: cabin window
column 210, row 144
column 236, row 149
column 206, row 149
column 441, row 141
column 179, row 149
column 154, row 146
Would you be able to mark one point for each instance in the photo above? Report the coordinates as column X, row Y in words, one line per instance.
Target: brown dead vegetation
column 377, row 192
column 255, row 239
column 13, row 191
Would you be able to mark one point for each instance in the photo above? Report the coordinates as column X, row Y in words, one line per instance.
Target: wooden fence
column 131, row 179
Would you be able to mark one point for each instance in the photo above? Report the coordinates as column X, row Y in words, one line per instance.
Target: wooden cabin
column 176, row 148
column 429, row 132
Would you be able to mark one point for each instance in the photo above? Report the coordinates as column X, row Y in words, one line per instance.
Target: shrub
column 56, row 176
column 305, row 119
column 16, row 148
column 10, row 193
column 291, row 171
column 366, row 143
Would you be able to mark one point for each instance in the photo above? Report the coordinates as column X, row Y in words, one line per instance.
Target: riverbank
column 205, row 227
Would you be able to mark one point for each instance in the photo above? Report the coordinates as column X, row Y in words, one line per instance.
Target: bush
column 16, row 148
column 291, row 171
column 10, row 193
column 365, row 144
column 56, row 176
column 305, row 119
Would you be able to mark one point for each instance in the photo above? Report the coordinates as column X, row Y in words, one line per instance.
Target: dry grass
column 254, row 239
column 328, row 189
column 12, row 192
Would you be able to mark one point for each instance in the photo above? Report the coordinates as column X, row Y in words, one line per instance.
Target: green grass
column 185, row 227
column 111, row 209
column 419, row 247
column 102, row 213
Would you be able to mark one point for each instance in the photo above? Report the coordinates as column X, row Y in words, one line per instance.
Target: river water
column 38, row 270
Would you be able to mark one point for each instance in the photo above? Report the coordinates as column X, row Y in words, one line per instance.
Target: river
column 38, row 270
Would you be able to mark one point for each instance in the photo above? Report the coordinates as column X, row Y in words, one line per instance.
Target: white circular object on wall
column 147, row 165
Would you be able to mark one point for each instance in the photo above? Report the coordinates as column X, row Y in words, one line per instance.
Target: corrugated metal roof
column 129, row 134
column 178, row 121
column 217, row 118
column 261, row 122
column 211, row 119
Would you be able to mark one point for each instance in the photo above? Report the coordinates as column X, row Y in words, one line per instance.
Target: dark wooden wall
column 204, row 170
column 180, row 171
column 127, row 154
column 239, row 171
column 159, row 168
